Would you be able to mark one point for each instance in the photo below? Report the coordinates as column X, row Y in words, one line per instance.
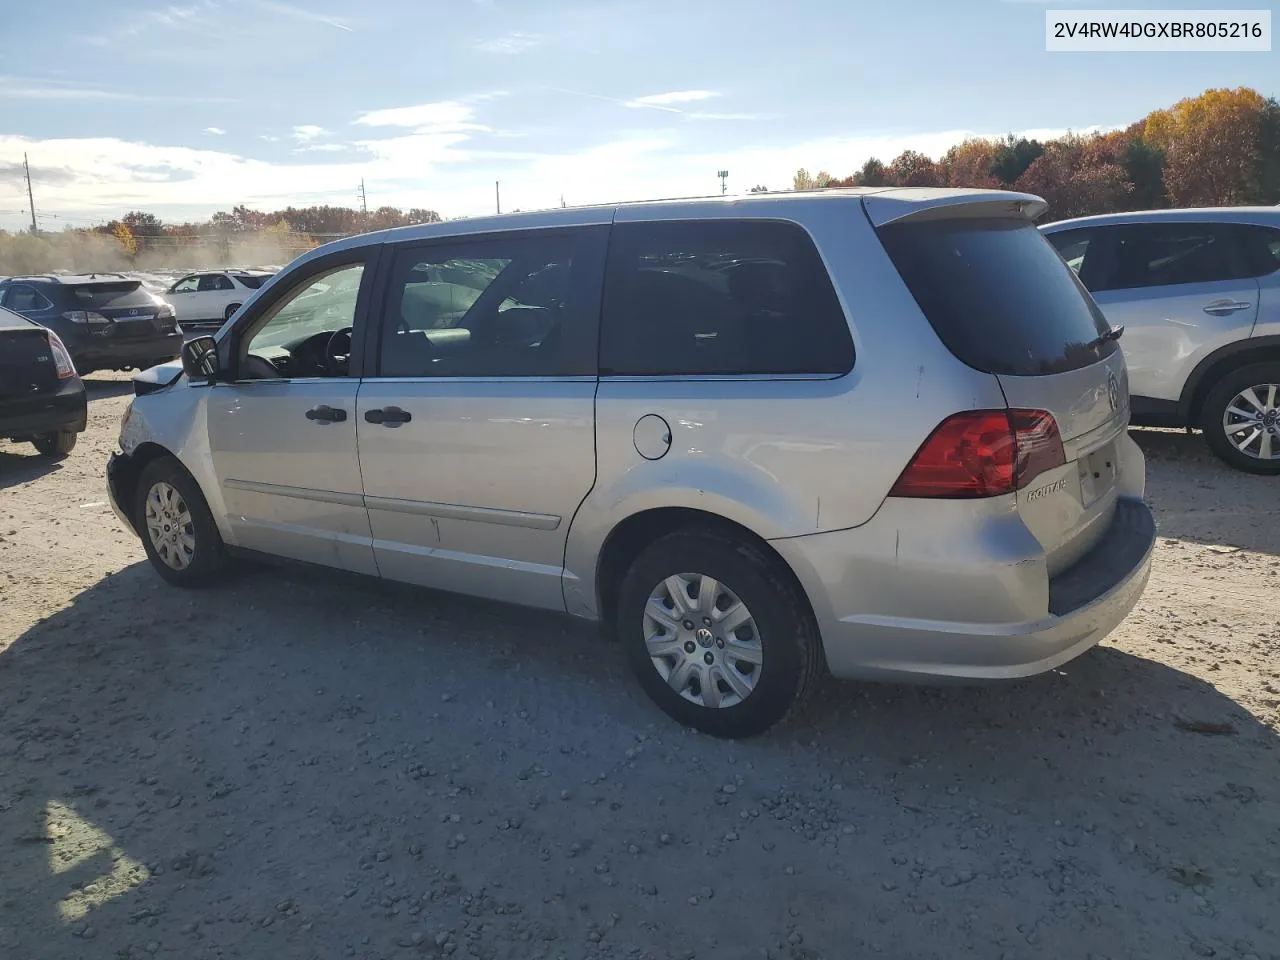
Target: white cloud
column 305, row 133
column 425, row 166
column 299, row 13
column 322, row 148
column 667, row 99
column 214, row 131
column 730, row 116
column 445, row 113
column 515, row 42
column 18, row 88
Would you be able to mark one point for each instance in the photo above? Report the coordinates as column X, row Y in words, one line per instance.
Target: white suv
column 1198, row 294
column 211, row 298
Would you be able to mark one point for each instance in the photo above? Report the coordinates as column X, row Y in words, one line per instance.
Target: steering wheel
column 337, row 352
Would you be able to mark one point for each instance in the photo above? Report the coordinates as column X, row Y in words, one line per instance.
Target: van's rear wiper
column 1115, row 333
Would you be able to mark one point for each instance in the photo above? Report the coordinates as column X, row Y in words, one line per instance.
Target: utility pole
column 562, row 204
column 30, row 199
column 497, row 197
column 724, row 176
column 364, row 206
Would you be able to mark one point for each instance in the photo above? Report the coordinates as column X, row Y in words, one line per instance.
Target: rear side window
column 1260, row 247
column 716, row 297
column 998, row 295
column 215, row 281
column 253, row 282
column 19, row 296
column 107, row 296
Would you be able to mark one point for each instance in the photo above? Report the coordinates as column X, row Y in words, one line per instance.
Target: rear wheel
column 230, row 310
column 55, row 445
column 717, row 634
column 1241, row 418
column 178, row 532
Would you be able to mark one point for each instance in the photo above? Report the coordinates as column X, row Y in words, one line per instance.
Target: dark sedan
column 41, row 397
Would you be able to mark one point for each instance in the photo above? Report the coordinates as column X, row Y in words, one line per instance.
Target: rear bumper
column 890, row 607
column 26, row 417
column 105, row 353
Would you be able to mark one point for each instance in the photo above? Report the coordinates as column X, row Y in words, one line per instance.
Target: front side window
column 307, row 331
column 719, row 297
column 490, row 308
column 1171, row 254
column 188, row 285
column 1260, row 247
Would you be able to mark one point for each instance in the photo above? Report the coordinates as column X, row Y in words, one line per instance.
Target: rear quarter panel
column 782, row 457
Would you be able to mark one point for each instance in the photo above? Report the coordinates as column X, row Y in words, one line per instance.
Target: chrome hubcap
column 169, row 526
column 1252, row 422
column 702, row 640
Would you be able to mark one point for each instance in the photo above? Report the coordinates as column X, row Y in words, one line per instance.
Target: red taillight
column 61, row 358
column 983, row 453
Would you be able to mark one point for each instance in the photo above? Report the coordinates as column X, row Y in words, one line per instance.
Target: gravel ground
column 305, row 764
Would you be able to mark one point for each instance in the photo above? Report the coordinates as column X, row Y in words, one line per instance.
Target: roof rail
column 36, row 276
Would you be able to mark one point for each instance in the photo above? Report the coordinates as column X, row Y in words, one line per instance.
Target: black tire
column 1215, row 409
column 207, row 559
column 229, row 311
column 55, row 445
column 787, row 634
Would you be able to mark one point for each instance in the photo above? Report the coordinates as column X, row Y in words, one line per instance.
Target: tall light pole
column 497, row 197
column 30, row 199
column 724, row 176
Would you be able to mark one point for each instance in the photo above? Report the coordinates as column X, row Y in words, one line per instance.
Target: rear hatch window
column 998, row 295
column 112, row 295
column 26, row 360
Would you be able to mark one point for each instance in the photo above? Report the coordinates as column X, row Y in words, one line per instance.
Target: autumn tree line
column 1220, row 148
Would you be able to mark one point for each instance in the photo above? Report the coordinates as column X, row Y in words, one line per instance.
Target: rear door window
column 1171, row 254
column 998, row 295
column 215, row 281
column 719, row 297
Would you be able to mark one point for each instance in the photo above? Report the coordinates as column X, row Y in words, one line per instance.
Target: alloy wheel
column 1252, row 422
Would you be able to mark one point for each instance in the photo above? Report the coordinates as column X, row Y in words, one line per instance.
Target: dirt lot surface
column 304, row 765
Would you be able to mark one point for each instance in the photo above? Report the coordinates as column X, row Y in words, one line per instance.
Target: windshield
column 112, row 296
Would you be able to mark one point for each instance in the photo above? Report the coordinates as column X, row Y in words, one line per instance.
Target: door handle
column 388, row 416
column 326, row 414
column 1220, row 308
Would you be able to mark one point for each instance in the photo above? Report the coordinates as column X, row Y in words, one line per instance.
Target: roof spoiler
column 908, row 204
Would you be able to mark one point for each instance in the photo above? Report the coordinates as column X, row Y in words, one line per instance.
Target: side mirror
column 200, row 359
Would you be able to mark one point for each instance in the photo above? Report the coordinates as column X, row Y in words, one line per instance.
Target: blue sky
column 191, row 106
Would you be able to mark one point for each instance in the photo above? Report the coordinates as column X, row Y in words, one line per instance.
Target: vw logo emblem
column 1113, row 391
column 704, row 636
column 133, row 313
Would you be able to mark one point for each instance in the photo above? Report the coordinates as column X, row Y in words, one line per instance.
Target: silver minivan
column 876, row 432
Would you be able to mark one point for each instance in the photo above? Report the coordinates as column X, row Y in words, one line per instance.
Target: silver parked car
column 1198, row 294
column 877, row 432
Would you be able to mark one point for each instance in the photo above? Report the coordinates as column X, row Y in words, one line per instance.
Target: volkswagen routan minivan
column 880, row 433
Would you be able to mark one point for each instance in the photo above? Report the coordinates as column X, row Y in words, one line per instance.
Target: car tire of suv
column 1215, row 412
column 179, row 535
column 55, row 445
column 781, row 632
column 229, row 311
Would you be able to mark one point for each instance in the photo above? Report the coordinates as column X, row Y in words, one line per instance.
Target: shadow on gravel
column 303, row 764
column 1197, row 497
column 19, row 463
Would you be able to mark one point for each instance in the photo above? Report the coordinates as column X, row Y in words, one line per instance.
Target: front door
column 477, row 435
column 283, row 434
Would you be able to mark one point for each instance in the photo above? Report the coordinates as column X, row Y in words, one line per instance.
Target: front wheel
column 55, row 445
column 178, row 531
column 1241, row 418
column 226, row 315
column 716, row 632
